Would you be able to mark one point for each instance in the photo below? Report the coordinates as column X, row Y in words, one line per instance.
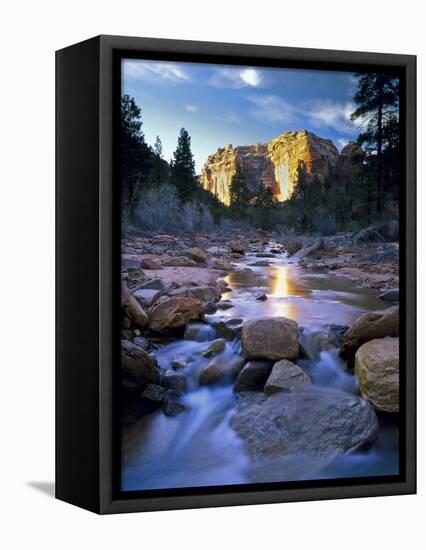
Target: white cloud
column 251, row 77
column 318, row 113
column 333, row 114
column 191, row 108
column 271, row 108
column 229, row 77
column 152, row 70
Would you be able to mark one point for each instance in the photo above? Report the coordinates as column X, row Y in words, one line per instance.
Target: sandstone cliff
column 275, row 164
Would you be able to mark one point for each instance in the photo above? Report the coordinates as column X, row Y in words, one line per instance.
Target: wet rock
column 391, row 295
column 370, row 325
column 228, row 328
column 154, row 393
column 237, row 246
column 260, row 296
column 271, row 338
column 174, row 313
column 224, row 304
column 179, row 362
column 137, row 363
column 199, row 332
column 286, row 376
column 214, row 348
column 253, row 376
column 203, row 293
column 210, row 308
column 377, row 370
column 319, row 423
column 175, row 381
column 147, row 296
column 141, row 342
column 264, row 255
column 152, row 262
column 197, row 255
column 222, row 286
column 172, row 408
column 220, row 368
column 222, row 265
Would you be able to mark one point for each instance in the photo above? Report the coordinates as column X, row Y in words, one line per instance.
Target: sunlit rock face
column 274, row 164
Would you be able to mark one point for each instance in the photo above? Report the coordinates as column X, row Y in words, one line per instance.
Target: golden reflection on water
column 280, row 283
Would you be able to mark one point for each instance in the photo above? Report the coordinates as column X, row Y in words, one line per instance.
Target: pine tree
column 377, row 100
column 183, row 168
column 158, row 147
column 265, row 205
column 135, row 155
column 238, row 194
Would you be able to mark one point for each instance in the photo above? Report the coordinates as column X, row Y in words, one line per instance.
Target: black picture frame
column 87, row 283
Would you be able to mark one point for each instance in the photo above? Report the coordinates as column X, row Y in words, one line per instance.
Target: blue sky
column 238, row 105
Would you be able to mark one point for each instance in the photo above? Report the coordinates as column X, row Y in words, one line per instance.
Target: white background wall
column 30, row 33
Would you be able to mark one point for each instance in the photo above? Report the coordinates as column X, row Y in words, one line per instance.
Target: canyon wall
column 275, row 164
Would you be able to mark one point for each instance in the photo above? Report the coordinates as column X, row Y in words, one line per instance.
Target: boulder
column 137, row 363
column 225, row 304
column 237, row 246
column 253, row 376
column 271, row 338
column 391, row 295
column 175, row 381
column 286, row 376
column 131, row 307
column 377, row 370
column 214, row 348
column 141, row 342
column 228, row 328
column 164, row 239
column 203, row 293
column 223, row 265
column 174, row 313
column 150, row 262
column 197, row 255
column 219, row 368
column 147, row 296
column 322, row 424
column 172, row 408
column 370, row 325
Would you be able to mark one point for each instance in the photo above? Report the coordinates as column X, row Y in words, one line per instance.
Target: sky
column 238, row 105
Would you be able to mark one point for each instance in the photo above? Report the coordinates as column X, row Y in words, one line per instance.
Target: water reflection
column 280, row 286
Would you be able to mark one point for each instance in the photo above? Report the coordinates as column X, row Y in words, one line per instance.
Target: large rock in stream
column 286, row 376
column 377, row 370
column 137, row 363
column 370, row 325
column 272, row 338
column 175, row 313
column 312, row 425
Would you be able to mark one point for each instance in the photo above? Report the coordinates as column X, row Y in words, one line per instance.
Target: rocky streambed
column 244, row 363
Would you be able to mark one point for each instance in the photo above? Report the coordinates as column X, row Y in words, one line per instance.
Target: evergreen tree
column 158, row 147
column 377, row 100
column 238, row 194
column 183, row 168
column 135, row 155
column 264, row 206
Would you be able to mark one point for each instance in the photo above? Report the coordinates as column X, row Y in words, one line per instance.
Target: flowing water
column 198, row 447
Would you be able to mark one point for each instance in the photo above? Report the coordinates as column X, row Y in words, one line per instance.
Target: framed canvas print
column 235, row 274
